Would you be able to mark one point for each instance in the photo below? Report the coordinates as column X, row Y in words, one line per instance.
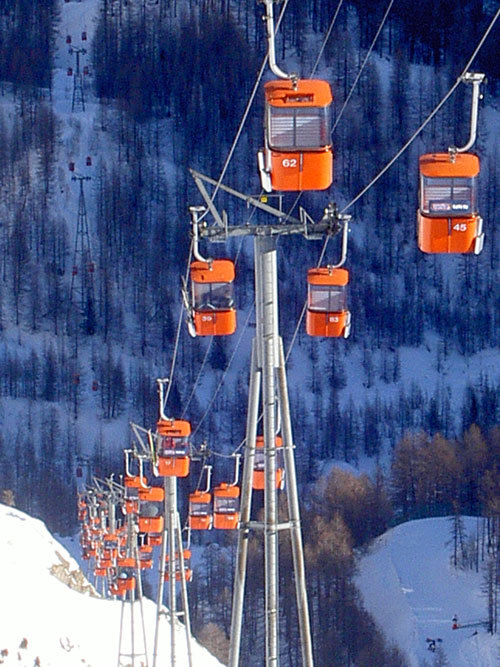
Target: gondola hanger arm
column 271, row 47
column 476, row 79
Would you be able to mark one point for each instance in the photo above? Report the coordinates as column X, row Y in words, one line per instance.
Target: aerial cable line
column 346, row 101
column 198, row 377
column 322, row 48
column 430, row 117
column 221, row 177
column 295, row 203
column 221, row 382
column 205, row 359
column 304, row 307
column 368, row 54
column 177, row 337
column 398, row 154
column 245, row 114
column 233, row 355
column 327, row 37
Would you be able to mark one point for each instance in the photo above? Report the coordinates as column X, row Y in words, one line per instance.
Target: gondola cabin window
column 298, row 128
column 448, row 196
column 213, row 296
column 328, row 298
column 172, row 446
column 225, row 505
column 198, row 508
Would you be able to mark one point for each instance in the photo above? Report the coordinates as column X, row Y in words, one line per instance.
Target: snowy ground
column 410, row 587
column 43, row 618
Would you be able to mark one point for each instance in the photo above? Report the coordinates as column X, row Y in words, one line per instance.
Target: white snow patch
column 42, row 617
column 410, row 587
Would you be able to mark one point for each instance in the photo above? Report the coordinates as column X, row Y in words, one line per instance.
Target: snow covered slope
column 45, row 623
column 410, row 587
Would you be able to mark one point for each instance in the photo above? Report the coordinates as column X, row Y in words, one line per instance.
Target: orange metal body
column 150, row 524
column 443, row 235
column 226, row 506
column 100, row 572
column 258, row 480
column 153, row 494
column 213, row 319
column 220, row 323
column 126, row 561
column 200, row 513
column 175, row 428
column 131, row 506
column 173, row 466
column 330, row 325
column 134, row 481
column 312, row 170
column 121, row 586
column 217, row 271
column 155, row 540
column 457, row 232
column 440, row 165
column 321, row 322
column 299, row 167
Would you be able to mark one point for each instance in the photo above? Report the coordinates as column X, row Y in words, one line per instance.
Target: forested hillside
column 168, row 82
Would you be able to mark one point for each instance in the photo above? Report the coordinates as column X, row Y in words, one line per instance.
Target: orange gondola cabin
column 173, row 448
column 298, row 152
column 226, row 506
column 151, row 494
column 327, row 313
column 213, row 297
column 448, row 221
column 150, row 524
column 200, row 510
column 135, row 481
column 258, row 479
column 124, row 582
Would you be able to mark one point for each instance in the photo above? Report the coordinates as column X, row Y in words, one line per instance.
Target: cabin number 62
column 289, row 162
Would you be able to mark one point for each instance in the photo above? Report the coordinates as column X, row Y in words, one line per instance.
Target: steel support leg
column 172, row 602
column 184, row 594
column 267, row 337
column 245, row 510
column 294, row 515
column 161, row 574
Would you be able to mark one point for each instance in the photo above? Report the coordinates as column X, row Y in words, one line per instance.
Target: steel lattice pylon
column 78, row 98
column 268, row 389
column 268, row 397
column 137, row 656
column 172, row 543
column 171, row 550
column 81, row 292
